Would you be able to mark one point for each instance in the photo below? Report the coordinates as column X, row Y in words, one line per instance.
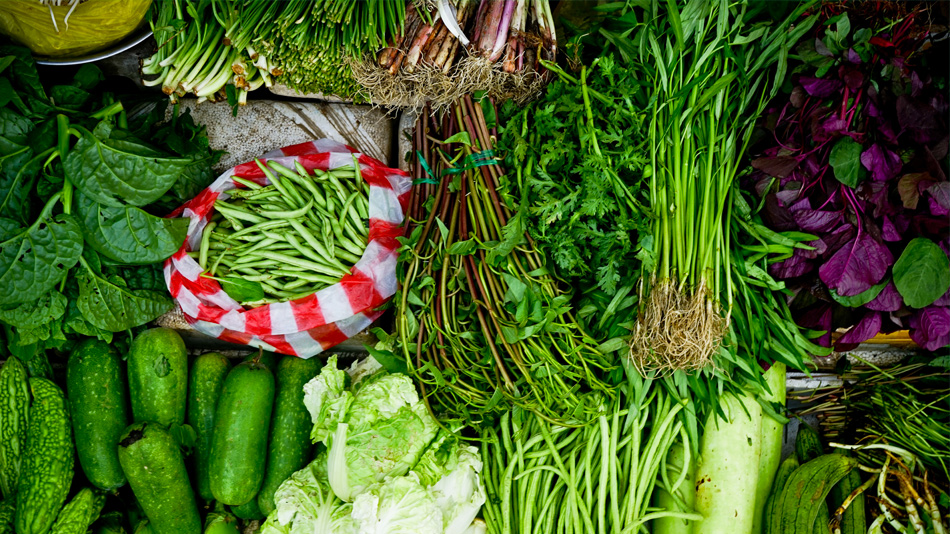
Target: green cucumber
column 97, row 394
column 248, row 511
column 241, row 426
column 144, row 527
column 204, row 387
column 47, row 468
column 785, row 470
column 220, row 521
column 158, row 377
column 797, row 506
column 79, row 513
column 290, row 445
column 109, row 523
column 854, row 519
column 728, row 469
column 153, row 464
column 14, row 417
column 270, row 359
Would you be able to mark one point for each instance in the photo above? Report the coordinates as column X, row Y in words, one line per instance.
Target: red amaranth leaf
column 857, row 266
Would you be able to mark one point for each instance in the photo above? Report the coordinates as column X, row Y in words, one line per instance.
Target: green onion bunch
column 195, row 56
column 223, row 49
column 289, row 239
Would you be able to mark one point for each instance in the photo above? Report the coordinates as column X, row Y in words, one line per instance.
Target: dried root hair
column 677, row 329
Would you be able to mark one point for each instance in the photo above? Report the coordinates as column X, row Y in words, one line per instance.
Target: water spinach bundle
column 711, row 69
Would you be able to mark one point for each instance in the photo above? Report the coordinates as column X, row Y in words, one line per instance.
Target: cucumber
column 153, row 464
column 241, row 426
column 47, row 468
column 109, row 523
column 854, row 519
column 290, row 445
column 204, row 387
column 772, row 437
column 799, row 502
column 158, row 377
column 97, row 394
column 14, row 417
column 269, row 359
column 785, row 470
column 248, row 511
column 728, row 469
column 144, row 527
column 79, row 513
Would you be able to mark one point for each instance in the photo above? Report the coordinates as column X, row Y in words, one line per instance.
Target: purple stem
column 502, row 34
column 478, row 21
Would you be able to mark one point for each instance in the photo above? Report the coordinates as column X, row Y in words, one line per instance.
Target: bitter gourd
column 79, row 513
column 14, row 413
column 47, row 468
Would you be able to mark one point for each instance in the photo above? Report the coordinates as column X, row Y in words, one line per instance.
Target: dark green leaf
column 128, row 234
column 389, row 361
column 462, row 248
column 88, row 77
column 14, row 131
column 845, row 159
column 17, row 173
column 861, row 298
column 37, row 258
column 48, row 307
column 5, row 62
column 110, row 307
column 240, row 289
column 68, row 97
column 922, row 273
column 118, row 171
column 24, row 70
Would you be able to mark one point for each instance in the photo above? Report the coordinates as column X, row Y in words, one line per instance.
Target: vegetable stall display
column 620, row 227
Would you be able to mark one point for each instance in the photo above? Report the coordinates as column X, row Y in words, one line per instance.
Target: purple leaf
column 853, row 78
column 779, row 166
column 918, row 118
column 867, row 327
column 829, row 128
column 857, row 266
column 889, row 231
column 838, row 238
column 788, row 196
column 816, row 220
column 793, row 267
column 883, row 163
column 822, row 49
column 930, row 327
column 888, row 300
column 944, row 300
column 820, row 87
column 819, row 318
column 939, row 198
column 852, row 56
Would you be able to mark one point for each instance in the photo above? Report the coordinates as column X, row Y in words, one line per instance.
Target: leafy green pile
column 80, row 190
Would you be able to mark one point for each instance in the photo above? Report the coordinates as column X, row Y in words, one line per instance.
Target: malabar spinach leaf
column 128, row 234
column 922, row 273
column 108, row 304
column 36, row 259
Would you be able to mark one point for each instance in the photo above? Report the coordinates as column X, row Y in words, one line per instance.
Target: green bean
column 214, row 266
column 316, row 245
column 247, row 183
column 347, row 256
column 289, row 194
column 292, row 214
column 233, row 212
column 306, row 264
column 296, row 284
column 302, row 178
column 205, row 244
column 310, row 277
column 266, row 225
column 303, row 250
column 263, row 243
column 348, row 209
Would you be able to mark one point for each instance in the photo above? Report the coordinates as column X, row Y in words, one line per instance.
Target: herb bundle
column 857, row 157
column 481, row 322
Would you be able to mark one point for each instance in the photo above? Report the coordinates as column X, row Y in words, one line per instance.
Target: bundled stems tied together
column 707, row 92
column 462, row 46
column 481, row 321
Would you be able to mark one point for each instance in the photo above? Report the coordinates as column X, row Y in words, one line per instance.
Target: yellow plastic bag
column 93, row 25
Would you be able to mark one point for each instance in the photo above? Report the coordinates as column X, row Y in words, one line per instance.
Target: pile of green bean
column 291, row 238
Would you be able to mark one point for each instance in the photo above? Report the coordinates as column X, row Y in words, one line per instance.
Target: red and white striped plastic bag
column 306, row 326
